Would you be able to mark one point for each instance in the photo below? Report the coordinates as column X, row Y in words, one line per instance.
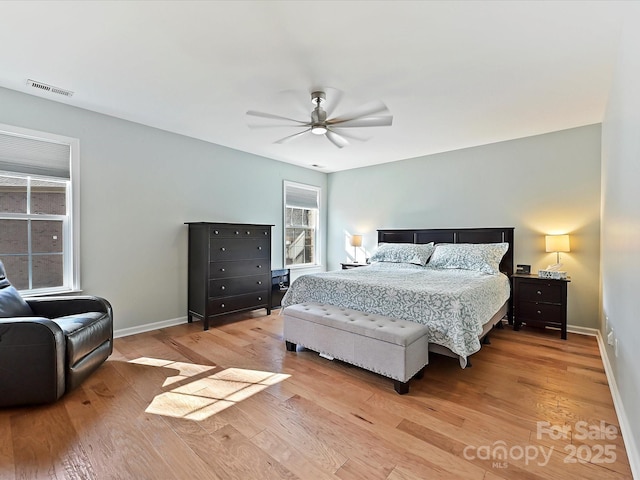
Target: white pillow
column 415, row 253
column 481, row 257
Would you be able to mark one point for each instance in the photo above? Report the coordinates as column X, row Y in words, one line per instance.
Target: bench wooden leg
column 401, row 387
column 291, row 347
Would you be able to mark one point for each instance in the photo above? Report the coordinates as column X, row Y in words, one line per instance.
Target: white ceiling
column 453, row 74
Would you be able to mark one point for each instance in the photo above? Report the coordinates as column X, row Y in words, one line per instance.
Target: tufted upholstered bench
column 395, row 348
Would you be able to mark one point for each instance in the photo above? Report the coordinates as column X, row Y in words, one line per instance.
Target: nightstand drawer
column 540, row 312
column 541, row 291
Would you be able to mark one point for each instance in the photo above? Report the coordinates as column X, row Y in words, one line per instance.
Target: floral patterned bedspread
column 453, row 303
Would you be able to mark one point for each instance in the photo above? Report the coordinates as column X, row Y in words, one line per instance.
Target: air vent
column 49, row 88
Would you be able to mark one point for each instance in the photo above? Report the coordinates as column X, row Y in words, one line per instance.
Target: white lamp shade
column 557, row 243
column 356, row 240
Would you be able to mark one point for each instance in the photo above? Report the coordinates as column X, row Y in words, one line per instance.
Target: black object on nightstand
column 347, row 265
column 539, row 302
column 280, row 281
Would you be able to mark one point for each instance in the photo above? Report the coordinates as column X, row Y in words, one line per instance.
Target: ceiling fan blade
column 348, row 135
column 292, row 137
column 364, row 111
column 253, row 113
column 280, row 125
column 336, row 139
column 384, row 121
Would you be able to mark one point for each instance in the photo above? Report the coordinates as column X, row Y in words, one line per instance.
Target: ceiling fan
column 373, row 114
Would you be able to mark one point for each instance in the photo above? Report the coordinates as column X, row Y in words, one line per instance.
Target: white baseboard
column 583, row 330
column 125, row 332
column 625, row 427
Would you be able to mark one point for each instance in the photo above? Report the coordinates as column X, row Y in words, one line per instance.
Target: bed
column 459, row 306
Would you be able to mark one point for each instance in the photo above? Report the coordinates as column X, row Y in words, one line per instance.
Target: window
column 301, row 205
column 38, row 217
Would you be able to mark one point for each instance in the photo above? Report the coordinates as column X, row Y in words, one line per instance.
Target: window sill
column 48, row 293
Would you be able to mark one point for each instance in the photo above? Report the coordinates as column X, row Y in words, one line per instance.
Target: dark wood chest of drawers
column 229, row 269
column 539, row 302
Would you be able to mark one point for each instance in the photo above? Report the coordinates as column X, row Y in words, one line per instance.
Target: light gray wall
column 138, row 186
column 539, row 185
column 621, row 227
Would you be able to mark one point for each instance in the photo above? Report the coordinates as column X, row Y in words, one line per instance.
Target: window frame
column 71, row 222
column 316, row 228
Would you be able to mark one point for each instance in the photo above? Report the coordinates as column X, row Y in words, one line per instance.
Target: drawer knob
column 259, row 248
column 222, row 270
column 215, row 232
column 539, row 292
column 259, row 266
column 259, row 298
column 248, row 232
column 222, row 305
column 539, row 312
column 259, row 282
column 266, row 233
column 222, row 249
column 237, row 232
column 223, row 287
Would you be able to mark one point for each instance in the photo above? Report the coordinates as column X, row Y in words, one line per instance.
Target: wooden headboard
column 455, row 235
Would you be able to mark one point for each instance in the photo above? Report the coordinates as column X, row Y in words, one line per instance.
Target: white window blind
column 301, row 197
column 34, row 157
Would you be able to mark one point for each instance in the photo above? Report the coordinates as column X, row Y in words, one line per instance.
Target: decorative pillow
column 481, row 257
column 12, row 304
column 417, row 254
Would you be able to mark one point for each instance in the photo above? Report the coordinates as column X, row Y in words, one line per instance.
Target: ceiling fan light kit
column 374, row 114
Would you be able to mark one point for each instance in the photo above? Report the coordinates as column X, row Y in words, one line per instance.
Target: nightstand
column 539, row 302
column 347, row 266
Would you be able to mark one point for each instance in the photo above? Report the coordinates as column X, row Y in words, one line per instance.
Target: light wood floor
column 231, row 403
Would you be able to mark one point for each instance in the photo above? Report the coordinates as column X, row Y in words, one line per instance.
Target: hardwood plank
column 286, row 453
column 45, row 445
column 243, row 459
column 7, row 461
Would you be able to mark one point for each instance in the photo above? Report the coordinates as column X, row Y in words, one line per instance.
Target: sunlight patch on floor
column 201, row 394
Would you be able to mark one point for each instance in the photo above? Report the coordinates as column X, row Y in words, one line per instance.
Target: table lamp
column 557, row 243
column 356, row 241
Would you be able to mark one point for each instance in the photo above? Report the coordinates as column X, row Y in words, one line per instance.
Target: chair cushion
column 12, row 304
column 84, row 332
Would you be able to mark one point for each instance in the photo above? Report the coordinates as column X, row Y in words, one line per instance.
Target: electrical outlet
column 610, row 338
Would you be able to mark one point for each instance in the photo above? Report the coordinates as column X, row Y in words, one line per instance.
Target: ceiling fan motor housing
column 318, row 115
column 318, row 98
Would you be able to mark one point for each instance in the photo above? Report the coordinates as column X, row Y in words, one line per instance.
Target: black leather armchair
column 49, row 345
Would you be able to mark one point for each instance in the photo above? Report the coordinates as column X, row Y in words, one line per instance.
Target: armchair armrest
column 53, row 307
column 32, row 361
